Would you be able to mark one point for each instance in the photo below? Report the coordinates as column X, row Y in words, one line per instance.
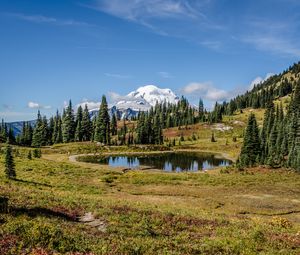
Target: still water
column 171, row 162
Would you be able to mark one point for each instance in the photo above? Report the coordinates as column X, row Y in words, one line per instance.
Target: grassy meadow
column 222, row 211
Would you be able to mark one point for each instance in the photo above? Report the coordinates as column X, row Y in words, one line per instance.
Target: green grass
column 148, row 212
column 224, row 211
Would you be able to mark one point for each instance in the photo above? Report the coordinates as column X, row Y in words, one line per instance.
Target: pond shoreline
column 194, row 160
column 73, row 158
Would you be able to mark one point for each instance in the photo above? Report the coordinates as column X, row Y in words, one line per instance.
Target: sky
column 52, row 50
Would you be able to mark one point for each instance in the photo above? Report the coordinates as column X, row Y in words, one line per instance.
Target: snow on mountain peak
column 141, row 100
column 152, row 95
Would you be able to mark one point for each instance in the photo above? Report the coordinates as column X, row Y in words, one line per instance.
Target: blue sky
column 52, row 50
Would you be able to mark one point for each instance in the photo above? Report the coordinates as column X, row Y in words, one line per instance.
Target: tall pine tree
column 38, row 132
column 251, row 148
column 86, row 125
column 102, row 129
column 68, row 124
column 79, row 131
column 10, row 171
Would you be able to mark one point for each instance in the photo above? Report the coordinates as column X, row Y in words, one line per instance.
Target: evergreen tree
column 114, row 125
column 294, row 130
column 3, row 132
column 57, row 129
column 79, row 131
column 201, row 110
column 38, row 132
column 50, row 130
column 212, row 139
column 37, row 153
column 45, row 132
column 68, row 124
column 266, row 131
column 11, row 136
column 158, row 136
column 27, row 134
column 102, row 130
column 251, row 148
column 86, row 125
column 10, row 171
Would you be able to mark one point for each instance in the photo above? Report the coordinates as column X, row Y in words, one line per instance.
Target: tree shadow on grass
column 40, row 211
column 34, row 183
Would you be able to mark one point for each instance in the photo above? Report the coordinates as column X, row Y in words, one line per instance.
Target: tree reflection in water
column 172, row 162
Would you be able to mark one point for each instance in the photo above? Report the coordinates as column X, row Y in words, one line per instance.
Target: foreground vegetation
column 141, row 212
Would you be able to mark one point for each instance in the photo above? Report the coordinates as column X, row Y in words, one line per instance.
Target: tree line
column 70, row 127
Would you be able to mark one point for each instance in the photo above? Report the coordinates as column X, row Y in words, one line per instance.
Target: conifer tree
column 294, row 130
column 79, row 131
column 11, row 136
column 38, row 132
column 158, row 137
column 3, row 132
column 201, row 109
column 45, row 132
column 27, row 136
column 114, row 125
column 68, row 124
column 212, row 139
column 29, row 155
column 251, row 148
column 265, row 132
column 86, row 125
column 50, row 130
column 102, row 130
column 57, row 130
column 10, row 171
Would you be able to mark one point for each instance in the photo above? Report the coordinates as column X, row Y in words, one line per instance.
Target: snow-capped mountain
column 141, row 100
column 145, row 97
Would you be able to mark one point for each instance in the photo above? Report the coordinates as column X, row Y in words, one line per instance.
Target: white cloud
column 206, row 90
column 277, row 37
column 90, row 104
column 274, row 44
column 114, row 97
column 259, row 80
column 48, row 20
column 188, row 18
column 165, row 75
column 118, row 76
column 34, row 105
column 140, row 10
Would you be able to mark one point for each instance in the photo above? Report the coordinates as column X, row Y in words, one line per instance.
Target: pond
column 171, row 162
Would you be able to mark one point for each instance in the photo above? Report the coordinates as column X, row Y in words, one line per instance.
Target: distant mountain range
column 128, row 106
column 17, row 126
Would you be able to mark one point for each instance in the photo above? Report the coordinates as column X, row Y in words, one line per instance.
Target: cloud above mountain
column 206, row 90
column 259, row 80
column 34, row 105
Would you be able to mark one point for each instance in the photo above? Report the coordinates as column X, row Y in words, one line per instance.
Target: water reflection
column 171, row 162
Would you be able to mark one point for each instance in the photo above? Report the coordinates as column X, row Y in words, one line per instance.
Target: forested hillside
column 277, row 144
